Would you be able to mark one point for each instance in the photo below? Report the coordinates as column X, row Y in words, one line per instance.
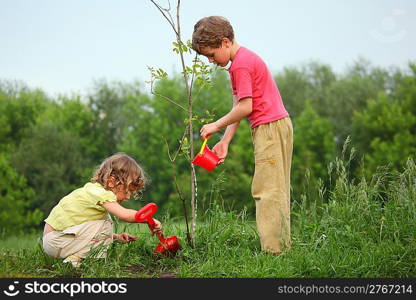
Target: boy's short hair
column 210, row 31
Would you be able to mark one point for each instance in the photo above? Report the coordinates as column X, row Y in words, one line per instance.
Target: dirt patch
column 167, row 275
column 138, row 270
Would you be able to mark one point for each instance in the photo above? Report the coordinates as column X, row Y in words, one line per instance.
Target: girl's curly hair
column 124, row 169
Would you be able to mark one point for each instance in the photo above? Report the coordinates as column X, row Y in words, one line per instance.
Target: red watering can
column 206, row 158
column 167, row 246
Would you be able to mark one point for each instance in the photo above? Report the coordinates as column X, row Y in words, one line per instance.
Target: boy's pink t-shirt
column 250, row 77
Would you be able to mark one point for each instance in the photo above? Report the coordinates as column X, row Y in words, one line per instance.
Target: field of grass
column 358, row 229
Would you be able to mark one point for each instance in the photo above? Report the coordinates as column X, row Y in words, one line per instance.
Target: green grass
column 359, row 229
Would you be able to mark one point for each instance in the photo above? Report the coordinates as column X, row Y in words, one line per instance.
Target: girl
column 81, row 222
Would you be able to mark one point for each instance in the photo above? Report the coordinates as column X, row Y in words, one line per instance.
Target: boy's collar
column 230, row 63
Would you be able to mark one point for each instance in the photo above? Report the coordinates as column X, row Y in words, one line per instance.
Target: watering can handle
column 145, row 213
column 151, row 224
column 203, row 147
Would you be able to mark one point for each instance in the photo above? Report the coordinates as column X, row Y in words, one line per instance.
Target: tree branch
column 180, row 145
column 188, row 235
column 162, row 11
column 165, row 97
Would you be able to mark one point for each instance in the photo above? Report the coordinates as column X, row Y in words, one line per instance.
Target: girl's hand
column 158, row 227
column 125, row 237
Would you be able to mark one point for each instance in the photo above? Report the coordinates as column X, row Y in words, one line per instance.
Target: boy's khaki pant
column 78, row 240
column 273, row 146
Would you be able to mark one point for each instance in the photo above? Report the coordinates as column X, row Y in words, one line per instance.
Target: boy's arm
column 231, row 129
column 240, row 110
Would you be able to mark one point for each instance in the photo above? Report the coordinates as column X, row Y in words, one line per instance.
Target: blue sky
column 63, row 46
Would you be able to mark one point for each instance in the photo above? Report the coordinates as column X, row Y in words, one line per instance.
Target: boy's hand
column 158, row 227
column 221, row 150
column 208, row 129
column 125, row 237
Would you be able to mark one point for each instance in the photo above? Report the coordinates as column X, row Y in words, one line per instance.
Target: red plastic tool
column 206, row 158
column 167, row 246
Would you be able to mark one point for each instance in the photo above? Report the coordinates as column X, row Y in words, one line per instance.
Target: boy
column 256, row 97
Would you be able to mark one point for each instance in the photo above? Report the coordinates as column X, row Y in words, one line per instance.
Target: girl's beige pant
column 79, row 240
column 273, row 146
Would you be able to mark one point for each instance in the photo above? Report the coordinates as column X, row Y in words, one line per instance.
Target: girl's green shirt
column 80, row 206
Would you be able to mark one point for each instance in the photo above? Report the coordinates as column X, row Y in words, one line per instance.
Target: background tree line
column 49, row 146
